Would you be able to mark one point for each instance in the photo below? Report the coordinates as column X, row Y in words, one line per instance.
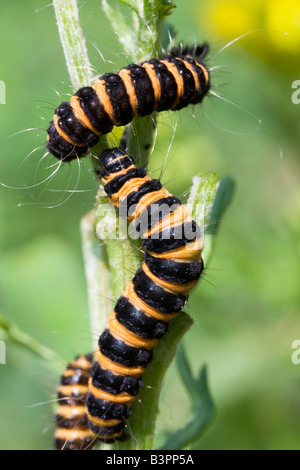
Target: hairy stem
column 97, row 276
column 73, row 42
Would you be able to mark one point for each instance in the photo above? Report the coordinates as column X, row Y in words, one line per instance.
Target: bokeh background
column 247, row 307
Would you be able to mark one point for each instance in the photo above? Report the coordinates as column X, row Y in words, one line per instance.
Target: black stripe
column 106, row 431
column 62, row 149
column 73, row 128
column 94, row 110
column 146, row 188
column 172, row 238
column 71, row 400
column 138, row 322
column 155, row 296
column 203, row 86
column 119, row 99
column 155, row 212
column 116, row 184
column 188, row 80
column 167, row 84
column 109, row 382
column 120, row 353
column 174, row 272
column 77, row 378
column 104, row 409
column 118, row 165
column 108, row 156
column 76, row 422
column 74, row 444
column 143, row 89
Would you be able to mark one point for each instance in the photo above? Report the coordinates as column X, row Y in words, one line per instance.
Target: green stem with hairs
column 73, row 42
column 141, row 41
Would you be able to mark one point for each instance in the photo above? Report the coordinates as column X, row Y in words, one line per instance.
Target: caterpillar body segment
column 72, row 432
column 157, row 293
column 115, row 99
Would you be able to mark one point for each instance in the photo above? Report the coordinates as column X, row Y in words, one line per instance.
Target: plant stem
column 97, row 276
column 95, row 254
column 10, row 332
column 123, row 257
column 73, row 42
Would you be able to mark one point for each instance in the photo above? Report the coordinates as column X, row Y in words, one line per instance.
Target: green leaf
column 130, row 4
column 202, row 406
column 222, row 200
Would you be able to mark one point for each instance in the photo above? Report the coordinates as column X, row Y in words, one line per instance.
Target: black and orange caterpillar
column 73, row 431
column 157, row 293
column 116, row 98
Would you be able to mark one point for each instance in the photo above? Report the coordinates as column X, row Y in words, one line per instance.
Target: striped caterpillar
column 116, row 98
column 73, row 431
column 157, row 293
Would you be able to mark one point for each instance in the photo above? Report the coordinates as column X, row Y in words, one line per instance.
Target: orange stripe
column 73, row 390
column 147, row 200
column 191, row 251
column 178, row 79
column 123, row 398
column 139, row 304
column 204, row 70
column 63, row 134
column 104, row 422
column 195, row 76
column 108, row 178
column 71, row 411
column 130, row 188
column 73, row 434
column 99, row 87
column 118, row 369
column 155, row 82
column 126, row 77
column 127, row 188
column 171, row 219
column 112, row 436
column 122, row 333
column 70, row 372
column 82, row 363
column 81, row 116
column 174, row 288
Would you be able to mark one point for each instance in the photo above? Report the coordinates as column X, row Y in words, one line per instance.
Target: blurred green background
column 246, row 308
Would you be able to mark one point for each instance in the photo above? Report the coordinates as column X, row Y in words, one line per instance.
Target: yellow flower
column 272, row 27
column 284, row 17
